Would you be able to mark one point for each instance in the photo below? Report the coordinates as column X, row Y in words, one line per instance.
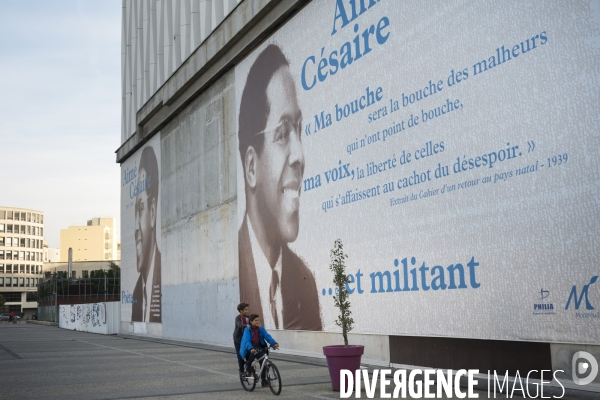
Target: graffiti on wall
column 83, row 317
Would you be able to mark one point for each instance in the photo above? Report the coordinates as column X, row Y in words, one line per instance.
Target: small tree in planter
column 340, row 278
column 346, row 356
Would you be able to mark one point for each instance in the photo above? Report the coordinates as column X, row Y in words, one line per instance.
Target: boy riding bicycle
column 254, row 343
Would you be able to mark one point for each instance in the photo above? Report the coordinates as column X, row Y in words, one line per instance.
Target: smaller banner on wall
column 140, row 230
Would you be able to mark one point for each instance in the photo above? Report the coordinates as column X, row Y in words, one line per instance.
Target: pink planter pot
column 341, row 357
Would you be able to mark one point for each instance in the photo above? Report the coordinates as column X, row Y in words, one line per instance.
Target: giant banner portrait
column 453, row 147
column 140, row 235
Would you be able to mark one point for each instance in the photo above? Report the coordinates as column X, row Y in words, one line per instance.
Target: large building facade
column 21, row 257
column 467, row 205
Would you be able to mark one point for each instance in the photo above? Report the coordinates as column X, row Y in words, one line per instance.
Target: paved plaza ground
column 45, row 362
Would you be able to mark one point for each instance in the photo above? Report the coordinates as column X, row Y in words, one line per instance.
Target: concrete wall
column 199, row 224
column 198, row 219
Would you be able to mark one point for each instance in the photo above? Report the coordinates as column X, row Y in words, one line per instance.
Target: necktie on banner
column 272, row 291
column 145, row 303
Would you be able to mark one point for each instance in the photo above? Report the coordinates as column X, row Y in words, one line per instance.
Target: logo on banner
column 542, row 304
column 127, row 298
column 584, row 364
column 579, row 300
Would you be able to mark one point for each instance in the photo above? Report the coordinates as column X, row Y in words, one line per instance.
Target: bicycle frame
column 264, row 359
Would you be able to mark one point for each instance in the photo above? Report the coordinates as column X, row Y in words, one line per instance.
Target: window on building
column 1, row 268
column 32, row 296
column 37, row 231
column 15, row 242
column 2, row 227
column 15, row 284
column 9, row 268
column 8, row 283
column 2, row 214
column 8, row 255
column 23, row 229
column 9, row 228
column 22, row 255
column 11, row 297
column 28, row 217
column 1, row 254
column 9, row 215
column 27, row 256
column 73, row 274
column 15, row 309
column 41, row 218
column 1, row 282
column 8, row 242
column 22, row 282
column 16, row 228
column 26, row 282
column 1, row 240
column 22, row 269
column 85, row 274
column 41, row 231
column 27, row 267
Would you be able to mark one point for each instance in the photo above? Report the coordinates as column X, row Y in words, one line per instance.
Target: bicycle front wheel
column 273, row 378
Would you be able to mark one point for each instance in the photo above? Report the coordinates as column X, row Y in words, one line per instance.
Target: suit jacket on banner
column 137, row 309
column 298, row 288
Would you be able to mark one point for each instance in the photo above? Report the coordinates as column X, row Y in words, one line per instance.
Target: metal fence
column 57, row 291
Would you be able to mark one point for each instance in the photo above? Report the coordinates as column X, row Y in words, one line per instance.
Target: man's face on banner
column 280, row 166
column 145, row 218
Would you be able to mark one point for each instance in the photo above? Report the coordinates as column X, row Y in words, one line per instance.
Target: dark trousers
column 252, row 356
column 239, row 358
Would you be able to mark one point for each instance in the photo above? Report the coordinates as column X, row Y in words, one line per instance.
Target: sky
column 60, row 109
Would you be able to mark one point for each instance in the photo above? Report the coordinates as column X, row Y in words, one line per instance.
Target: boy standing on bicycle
column 254, row 343
column 241, row 322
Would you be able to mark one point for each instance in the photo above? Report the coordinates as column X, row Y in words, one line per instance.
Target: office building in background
column 98, row 240
column 21, row 258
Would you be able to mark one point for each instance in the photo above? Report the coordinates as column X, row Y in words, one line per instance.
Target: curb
column 46, row 323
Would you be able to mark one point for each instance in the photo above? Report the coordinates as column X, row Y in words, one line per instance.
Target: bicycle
column 272, row 374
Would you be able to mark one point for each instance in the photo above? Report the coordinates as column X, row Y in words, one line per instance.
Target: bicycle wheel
column 273, row 378
column 247, row 384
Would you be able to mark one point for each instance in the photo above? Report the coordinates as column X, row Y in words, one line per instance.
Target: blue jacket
column 246, row 344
